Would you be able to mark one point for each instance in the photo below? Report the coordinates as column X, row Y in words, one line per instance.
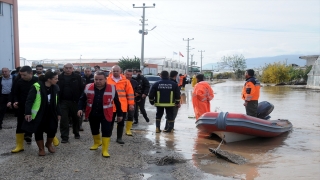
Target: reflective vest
column 180, row 80
column 124, row 90
column 251, row 89
column 107, row 101
column 37, row 102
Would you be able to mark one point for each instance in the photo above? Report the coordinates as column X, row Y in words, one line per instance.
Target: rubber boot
column 158, row 121
column 105, row 147
column 128, row 128
column 166, row 126
column 19, row 142
column 56, row 141
column 49, row 145
column 41, row 148
column 119, row 134
column 96, row 142
column 170, row 127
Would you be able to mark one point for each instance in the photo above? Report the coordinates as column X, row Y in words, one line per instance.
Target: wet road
column 294, row 155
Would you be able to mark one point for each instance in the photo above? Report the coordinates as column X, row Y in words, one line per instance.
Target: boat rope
column 218, row 147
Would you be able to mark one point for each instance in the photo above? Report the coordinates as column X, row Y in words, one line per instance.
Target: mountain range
column 259, row 62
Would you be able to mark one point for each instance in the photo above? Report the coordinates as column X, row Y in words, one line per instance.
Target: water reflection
column 269, row 158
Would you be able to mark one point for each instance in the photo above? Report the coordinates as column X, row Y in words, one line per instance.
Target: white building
column 165, row 64
column 9, row 34
column 314, row 74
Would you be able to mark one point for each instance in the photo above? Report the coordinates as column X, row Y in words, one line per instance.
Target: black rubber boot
column 158, row 122
column 170, row 127
column 119, row 134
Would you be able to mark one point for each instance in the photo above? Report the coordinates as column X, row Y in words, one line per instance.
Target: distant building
column 9, row 34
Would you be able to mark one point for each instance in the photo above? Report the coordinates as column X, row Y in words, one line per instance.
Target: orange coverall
column 201, row 96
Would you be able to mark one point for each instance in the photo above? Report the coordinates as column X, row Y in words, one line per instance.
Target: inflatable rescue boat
column 232, row 127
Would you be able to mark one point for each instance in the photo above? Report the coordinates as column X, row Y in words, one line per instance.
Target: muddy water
column 294, row 155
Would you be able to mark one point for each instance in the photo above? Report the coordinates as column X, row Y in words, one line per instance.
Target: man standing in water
column 251, row 93
column 201, row 96
column 165, row 95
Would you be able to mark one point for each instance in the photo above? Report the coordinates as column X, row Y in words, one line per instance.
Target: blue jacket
column 164, row 93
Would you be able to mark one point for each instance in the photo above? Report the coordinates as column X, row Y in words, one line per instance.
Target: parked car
column 188, row 79
column 152, row 79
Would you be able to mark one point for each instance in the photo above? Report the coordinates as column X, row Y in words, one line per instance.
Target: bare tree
column 235, row 62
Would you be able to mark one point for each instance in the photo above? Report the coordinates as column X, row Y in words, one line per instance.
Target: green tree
column 275, row 73
column 236, row 62
column 128, row 63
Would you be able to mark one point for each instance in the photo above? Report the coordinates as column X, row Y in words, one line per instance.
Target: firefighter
column 201, row 96
column 165, row 95
column 251, row 93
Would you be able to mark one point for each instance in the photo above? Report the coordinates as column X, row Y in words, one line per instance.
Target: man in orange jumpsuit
column 251, row 93
column 126, row 97
column 201, row 96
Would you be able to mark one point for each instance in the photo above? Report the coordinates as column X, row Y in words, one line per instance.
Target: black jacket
column 32, row 126
column 143, row 85
column 169, row 93
column 21, row 90
column 76, row 84
column 88, row 80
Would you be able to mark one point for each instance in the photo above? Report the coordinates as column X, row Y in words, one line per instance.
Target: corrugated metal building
column 9, row 34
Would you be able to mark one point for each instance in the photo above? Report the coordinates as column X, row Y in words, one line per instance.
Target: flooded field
column 294, row 155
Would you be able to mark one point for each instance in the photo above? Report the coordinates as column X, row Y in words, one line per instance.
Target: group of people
column 45, row 100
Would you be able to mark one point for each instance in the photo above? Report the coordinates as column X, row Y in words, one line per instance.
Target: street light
column 143, row 33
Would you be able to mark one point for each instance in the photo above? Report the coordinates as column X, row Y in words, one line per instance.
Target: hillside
column 261, row 61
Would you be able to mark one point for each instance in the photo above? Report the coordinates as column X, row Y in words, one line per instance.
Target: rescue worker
column 165, row 95
column 194, row 80
column 20, row 94
column 173, row 77
column 42, row 111
column 251, row 93
column 130, row 115
column 201, row 96
column 180, row 81
column 126, row 97
column 141, row 94
column 99, row 97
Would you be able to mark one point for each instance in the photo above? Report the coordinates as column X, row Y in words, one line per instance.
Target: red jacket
column 107, row 100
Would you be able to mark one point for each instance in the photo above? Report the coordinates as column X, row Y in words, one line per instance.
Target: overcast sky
column 109, row 28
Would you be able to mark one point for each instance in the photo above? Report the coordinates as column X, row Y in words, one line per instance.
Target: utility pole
column 191, row 63
column 143, row 32
column 201, row 61
column 187, row 71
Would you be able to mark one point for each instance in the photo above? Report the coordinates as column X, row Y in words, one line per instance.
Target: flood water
column 293, row 155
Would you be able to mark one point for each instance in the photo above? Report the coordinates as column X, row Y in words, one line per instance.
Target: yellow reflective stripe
column 165, row 104
column 37, row 102
column 171, row 96
column 158, row 97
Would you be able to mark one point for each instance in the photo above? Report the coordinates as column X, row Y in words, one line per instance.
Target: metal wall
column 6, row 36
